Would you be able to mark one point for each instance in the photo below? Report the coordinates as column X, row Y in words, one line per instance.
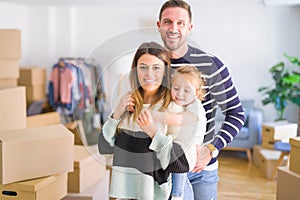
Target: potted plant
column 294, row 79
column 285, row 87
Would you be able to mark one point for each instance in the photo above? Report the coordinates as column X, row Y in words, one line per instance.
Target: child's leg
column 188, row 190
column 178, row 184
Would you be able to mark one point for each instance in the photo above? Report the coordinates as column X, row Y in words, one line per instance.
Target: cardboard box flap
column 84, row 155
column 77, row 129
column 34, row 134
column 32, row 185
column 295, row 141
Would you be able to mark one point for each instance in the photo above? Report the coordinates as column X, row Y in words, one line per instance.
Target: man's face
column 174, row 27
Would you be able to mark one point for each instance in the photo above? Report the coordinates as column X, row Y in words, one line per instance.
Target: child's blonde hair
column 194, row 77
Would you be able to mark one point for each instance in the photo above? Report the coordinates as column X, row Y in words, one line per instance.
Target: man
column 175, row 26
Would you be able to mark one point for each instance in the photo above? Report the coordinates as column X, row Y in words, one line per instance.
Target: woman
column 142, row 163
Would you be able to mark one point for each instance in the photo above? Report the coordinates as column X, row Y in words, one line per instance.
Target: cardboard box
column 287, row 184
column 12, row 108
column 256, row 154
column 268, row 160
column 268, row 143
column 279, row 130
column 98, row 191
column 10, row 40
column 8, row 82
column 46, row 188
column 87, row 169
column 35, row 152
column 295, row 154
column 35, row 93
column 30, row 76
column 9, row 68
column 77, row 129
column 44, row 119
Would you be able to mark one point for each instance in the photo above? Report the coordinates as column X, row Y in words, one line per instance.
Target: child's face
column 183, row 91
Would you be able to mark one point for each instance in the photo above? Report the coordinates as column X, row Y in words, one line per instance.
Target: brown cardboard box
column 9, row 68
column 279, row 130
column 268, row 142
column 35, row 152
column 287, row 184
column 46, row 188
column 8, row 82
column 267, row 161
column 295, row 154
column 77, row 129
column 256, row 154
column 10, row 40
column 35, row 93
column 30, row 76
column 87, row 169
column 12, row 108
column 44, row 119
column 98, row 191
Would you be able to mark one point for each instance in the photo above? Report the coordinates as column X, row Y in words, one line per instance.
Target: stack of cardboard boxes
column 37, row 153
column 264, row 156
column 277, row 131
column 90, row 178
column 34, row 79
column 34, row 162
column 288, row 179
column 10, row 54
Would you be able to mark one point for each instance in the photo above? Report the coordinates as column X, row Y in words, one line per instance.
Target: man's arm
column 224, row 94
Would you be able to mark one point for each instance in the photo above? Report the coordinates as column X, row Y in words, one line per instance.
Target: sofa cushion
column 243, row 134
column 248, row 106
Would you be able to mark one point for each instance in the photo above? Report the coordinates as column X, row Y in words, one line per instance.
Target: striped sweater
column 220, row 91
column 141, row 165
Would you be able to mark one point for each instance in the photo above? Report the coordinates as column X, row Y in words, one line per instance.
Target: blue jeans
column 181, row 186
column 204, row 184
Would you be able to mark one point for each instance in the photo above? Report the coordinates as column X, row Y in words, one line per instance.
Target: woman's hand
column 126, row 104
column 146, row 122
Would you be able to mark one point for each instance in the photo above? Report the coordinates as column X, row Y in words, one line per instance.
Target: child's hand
column 146, row 122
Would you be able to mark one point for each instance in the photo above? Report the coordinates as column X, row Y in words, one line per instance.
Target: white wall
column 247, row 35
column 15, row 17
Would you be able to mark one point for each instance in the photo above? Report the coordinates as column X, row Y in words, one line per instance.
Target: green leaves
column 286, row 86
column 292, row 59
column 292, row 79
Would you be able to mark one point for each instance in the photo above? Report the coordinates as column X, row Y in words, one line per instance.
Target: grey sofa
column 250, row 133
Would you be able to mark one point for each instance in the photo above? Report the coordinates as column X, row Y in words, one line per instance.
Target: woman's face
column 150, row 72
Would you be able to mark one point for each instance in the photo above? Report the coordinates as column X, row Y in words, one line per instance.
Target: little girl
column 187, row 122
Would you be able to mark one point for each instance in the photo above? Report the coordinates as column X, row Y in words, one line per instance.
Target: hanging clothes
column 60, row 85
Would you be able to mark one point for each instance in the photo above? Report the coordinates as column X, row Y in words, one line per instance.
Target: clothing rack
column 76, row 88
